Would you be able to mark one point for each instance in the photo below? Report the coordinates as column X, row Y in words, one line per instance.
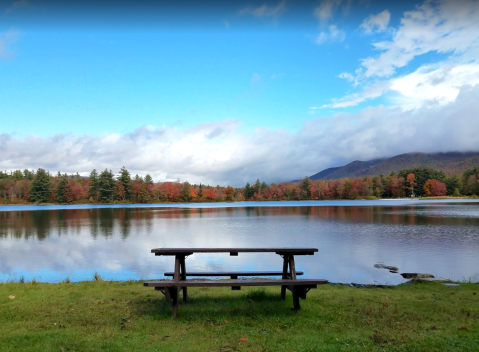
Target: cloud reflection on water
column 75, row 243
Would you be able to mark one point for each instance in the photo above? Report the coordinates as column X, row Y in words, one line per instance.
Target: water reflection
column 108, row 221
column 442, row 239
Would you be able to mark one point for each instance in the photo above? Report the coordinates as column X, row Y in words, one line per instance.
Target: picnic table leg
column 295, row 290
column 292, row 268
column 296, row 305
column 167, row 295
column 183, row 277
column 174, row 296
column 285, row 275
column 176, row 274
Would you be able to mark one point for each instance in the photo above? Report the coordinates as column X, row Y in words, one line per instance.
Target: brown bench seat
column 299, row 287
column 233, row 274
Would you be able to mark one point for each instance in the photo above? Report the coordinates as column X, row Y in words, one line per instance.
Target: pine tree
column 40, row 188
column 148, row 179
column 94, row 187
column 60, row 190
column 106, row 186
column 17, row 175
column 248, row 191
column 28, row 175
column 125, row 180
column 306, row 188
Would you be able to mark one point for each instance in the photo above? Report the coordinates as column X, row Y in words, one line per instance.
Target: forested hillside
column 40, row 187
column 450, row 163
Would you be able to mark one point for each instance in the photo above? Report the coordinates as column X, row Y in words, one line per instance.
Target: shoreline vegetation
column 41, row 187
column 116, row 316
column 234, row 201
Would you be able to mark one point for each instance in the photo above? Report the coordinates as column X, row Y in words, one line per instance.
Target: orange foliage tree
column 435, row 188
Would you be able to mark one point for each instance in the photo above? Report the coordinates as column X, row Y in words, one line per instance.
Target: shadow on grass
column 256, row 302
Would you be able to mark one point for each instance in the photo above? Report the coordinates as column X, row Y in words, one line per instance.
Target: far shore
column 173, row 204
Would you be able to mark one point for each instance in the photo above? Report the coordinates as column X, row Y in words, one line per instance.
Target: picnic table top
column 285, row 250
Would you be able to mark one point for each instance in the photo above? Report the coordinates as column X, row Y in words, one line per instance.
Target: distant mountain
column 323, row 174
column 451, row 163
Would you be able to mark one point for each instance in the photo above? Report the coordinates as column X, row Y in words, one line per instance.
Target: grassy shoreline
column 117, row 316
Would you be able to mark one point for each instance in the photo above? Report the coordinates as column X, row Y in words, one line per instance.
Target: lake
column 51, row 243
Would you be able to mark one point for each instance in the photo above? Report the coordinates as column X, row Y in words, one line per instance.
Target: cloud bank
column 443, row 27
column 221, row 153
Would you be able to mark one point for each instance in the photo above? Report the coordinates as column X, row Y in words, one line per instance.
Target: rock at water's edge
column 417, row 276
column 382, row 266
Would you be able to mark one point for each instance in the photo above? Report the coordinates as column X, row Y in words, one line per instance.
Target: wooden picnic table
column 299, row 288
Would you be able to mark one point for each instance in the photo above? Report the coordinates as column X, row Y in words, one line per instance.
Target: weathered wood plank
column 183, row 277
column 292, row 268
column 234, row 251
column 284, row 275
column 232, row 273
column 225, row 283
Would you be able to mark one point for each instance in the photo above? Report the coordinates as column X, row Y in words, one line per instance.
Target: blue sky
column 230, row 92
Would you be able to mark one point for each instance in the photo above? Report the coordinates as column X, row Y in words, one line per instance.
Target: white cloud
column 377, row 22
column 256, row 79
column 7, row 39
column 325, row 11
column 17, row 5
column 439, row 26
column 434, row 86
column 370, row 92
column 445, row 27
column 222, row 153
column 265, row 10
column 332, row 35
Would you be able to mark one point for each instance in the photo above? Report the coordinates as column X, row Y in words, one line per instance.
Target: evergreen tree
column 40, row 188
column 257, row 186
column 248, row 191
column 61, row 189
column 148, row 179
column 28, row 175
column 106, row 186
column 453, row 183
column 94, row 187
column 306, row 188
column 125, row 180
column 17, row 175
column 471, row 181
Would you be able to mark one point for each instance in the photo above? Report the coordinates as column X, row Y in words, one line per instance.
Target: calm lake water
column 51, row 243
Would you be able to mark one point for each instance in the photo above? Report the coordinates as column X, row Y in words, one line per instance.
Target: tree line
column 28, row 186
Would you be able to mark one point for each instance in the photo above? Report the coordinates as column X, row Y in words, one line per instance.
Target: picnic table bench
column 232, row 274
column 172, row 288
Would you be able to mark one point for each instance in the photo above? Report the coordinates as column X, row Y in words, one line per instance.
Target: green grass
column 125, row 316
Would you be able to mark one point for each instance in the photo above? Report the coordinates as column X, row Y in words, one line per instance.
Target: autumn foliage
column 104, row 187
column 435, row 188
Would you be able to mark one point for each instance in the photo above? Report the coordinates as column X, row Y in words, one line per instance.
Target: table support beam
column 285, row 275
column 183, row 277
column 174, row 295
